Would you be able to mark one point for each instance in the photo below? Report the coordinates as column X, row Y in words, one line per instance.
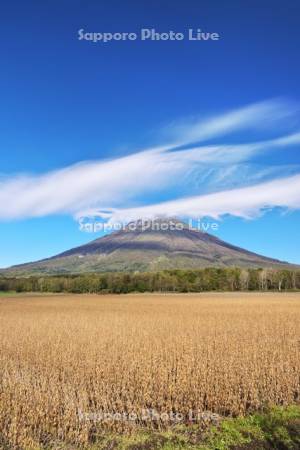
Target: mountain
column 148, row 246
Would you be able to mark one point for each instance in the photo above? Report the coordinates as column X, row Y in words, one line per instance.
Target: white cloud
column 120, row 183
column 257, row 116
column 245, row 202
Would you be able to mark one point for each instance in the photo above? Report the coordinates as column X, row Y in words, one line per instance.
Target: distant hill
column 161, row 244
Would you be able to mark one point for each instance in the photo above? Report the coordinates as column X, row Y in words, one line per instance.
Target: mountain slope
column 163, row 244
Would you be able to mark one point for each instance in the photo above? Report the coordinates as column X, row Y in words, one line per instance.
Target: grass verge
column 275, row 429
column 279, row 428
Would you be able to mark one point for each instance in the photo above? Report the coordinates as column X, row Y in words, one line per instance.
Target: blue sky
column 196, row 107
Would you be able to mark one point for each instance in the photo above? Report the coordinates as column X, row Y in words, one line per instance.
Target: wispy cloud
column 246, row 202
column 257, row 116
column 126, row 186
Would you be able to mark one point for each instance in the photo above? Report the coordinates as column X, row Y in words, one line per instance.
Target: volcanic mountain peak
column 156, row 224
column 149, row 245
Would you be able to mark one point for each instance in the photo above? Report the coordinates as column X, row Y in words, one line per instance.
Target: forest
column 208, row 279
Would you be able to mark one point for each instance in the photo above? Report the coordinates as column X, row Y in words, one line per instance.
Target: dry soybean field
column 66, row 357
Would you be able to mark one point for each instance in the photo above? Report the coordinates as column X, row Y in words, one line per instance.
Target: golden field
column 63, row 355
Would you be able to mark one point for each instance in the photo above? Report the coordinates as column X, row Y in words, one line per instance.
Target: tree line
column 209, row 279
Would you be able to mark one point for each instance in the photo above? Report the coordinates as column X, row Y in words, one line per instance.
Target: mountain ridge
column 149, row 246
